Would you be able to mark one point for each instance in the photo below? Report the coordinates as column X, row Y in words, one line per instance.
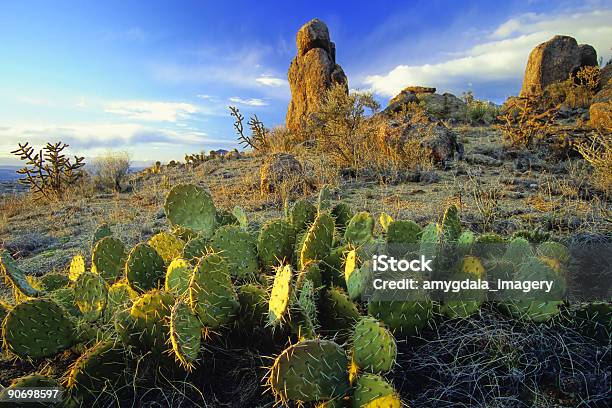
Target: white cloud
column 269, row 80
column 151, row 110
column 248, row 102
column 501, row 58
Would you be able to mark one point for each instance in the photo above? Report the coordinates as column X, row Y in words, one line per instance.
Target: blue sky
column 154, row 78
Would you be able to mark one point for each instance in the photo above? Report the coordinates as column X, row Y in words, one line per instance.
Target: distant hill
column 8, row 173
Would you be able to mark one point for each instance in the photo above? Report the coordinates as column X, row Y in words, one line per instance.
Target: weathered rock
column 445, row 106
column 482, row 159
column 441, row 142
column 400, row 101
column 438, row 142
column 419, row 89
column 312, row 72
column 600, row 111
column 555, row 60
column 278, row 169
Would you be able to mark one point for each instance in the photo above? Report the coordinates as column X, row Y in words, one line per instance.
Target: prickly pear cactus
column 168, row 246
column 178, row 276
column 489, row 245
column 37, row 328
column 77, row 267
column 144, row 268
column 253, row 306
column 103, row 366
column 302, row 215
column 103, row 230
column 185, row 333
column 342, row 214
column 356, row 276
column 90, row 295
column 337, row 313
column 360, row 229
column 310, row 370
column 195, row 248
column 318, row 240
column 146, row 326
column 403, row 232
column 465, row 243
column 404, row 318
column 451, row 224
column 332, row 266
column 239, row 249
column 211, row 292
column 373, row 391
column 518, row 250
column 593, row 319
column 280, row 296
column 466, row 302
column 119, row 297
column 325, row 198
column 554, row 254
column 65, row 298
column 385, row 220
column 108, row 258
column 51, row 281
column 189, row 207
column 374, row 348
column 275, row 244
column 15, row 276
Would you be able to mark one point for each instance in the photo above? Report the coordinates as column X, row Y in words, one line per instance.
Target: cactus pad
column 185, row 333
column 189, row 207
column 239, row 249
column 211, row 292
column 374, row 347
column 302, row 214
column 53, row 280
column 373, row 391
column 310, row 370
column 178, row 276
column 342, row 214
column 318, row 240
column 37, row 328
column 167, row 245
column 451, row 224
column 403, row 232
column 120, row 296
column 144, row 268
column 405, row 318
column 103, row 230
column 90, row 295
column 108, row 258
column 77, row 267
column 360, row 229
column 337, row 313
column 280, row 295
column 195, row 248
column 16, row 276
column 275, row 243
column 147, row 327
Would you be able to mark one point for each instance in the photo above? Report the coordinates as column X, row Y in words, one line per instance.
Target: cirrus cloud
column 248, row 101
column 152, row 111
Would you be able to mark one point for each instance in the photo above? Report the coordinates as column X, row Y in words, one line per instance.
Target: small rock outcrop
column 445, row 106
column 555, row 60
column 312, row 72
column 600, row 111
column 279, row 169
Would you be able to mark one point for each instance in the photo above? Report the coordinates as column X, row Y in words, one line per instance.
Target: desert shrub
column 49, row 172
column 525, row 120
column 110, row 171
column 258, row 139
column 575, row 92
column 597, row 150
column 481, row 112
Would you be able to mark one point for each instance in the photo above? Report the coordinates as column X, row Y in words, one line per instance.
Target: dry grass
column 598, row 152
column 110, row 171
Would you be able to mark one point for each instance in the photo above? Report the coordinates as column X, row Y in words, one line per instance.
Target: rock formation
column 555, row 60
column 279, row 168
column 312, row 72
column 445, row 106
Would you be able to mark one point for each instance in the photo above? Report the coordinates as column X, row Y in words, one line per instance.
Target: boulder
column 401, row 100
column 279, row 169
column 441, row 142
column 419, row 89
column 555, row 60
column 312, row 72
column 445, row 106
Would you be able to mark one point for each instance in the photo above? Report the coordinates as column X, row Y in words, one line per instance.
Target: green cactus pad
column 108, row 258
column 195, row 248
column 15, row 276
column 310, row 370
column 554, row 250
column 342, row 214
column 65, row 298
column 102, row 367
column 167, row 245
column 37, row 328
column 307, row 301
column 302, row 215
column 90, row 295
column 54, row 280
column 211, row 292
column 102, row 231
column 593, row 319
column 185, row 333
column 356, row 277
column 451, row 224
column 241, row 217
column 253, row 306
column 431, row 237
column 178, row 276
column 275, row 244
column 332, row 267
column 146, row 326
column 324, row 199
column 280, row 296
column 374, row 347
column 318, row 240
column 239, row 249
column 373, row 391
column 405, row 318
column 489, row 245
column 518, row 250
column 77, row 267
column 144, row 268
column 189, row 207
column 120, row 297
column 360, row 229
column 466, row 302
column 403, row 232
column 337, row 313
column 225, row 217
